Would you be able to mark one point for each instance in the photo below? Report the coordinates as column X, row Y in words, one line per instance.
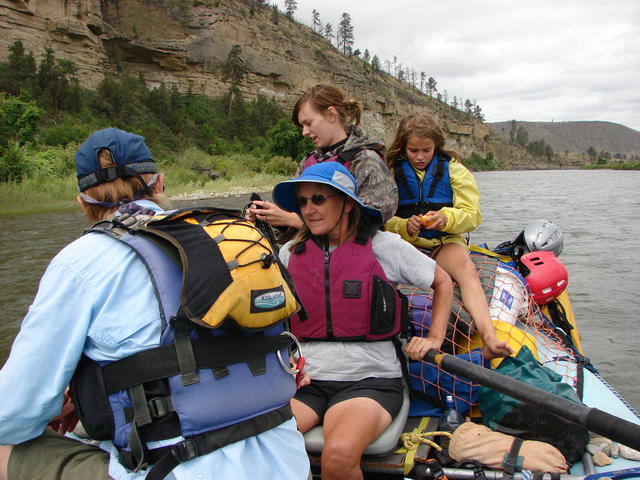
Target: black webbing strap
column 210, row 352
column 436, row 470
column 184, row 352
column 559, row 318
column 438, row 173
column 401, row 178
column 108, row 174
column 166, row 459
column 344, row 157
column 141, row 411
column 512, row 463
column 478, row 471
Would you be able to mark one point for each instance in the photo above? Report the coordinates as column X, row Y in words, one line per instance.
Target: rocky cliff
column 185, row 43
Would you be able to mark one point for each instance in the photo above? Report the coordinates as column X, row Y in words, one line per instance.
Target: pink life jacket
column 345, row 293
column 343, row 157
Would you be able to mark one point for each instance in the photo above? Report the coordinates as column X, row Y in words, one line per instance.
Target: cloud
column 568, row 60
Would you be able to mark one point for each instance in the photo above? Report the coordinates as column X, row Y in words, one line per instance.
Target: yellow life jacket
column 251, row 291
column 512, row 335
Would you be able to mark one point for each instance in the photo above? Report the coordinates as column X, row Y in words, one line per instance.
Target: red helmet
column 547, row 277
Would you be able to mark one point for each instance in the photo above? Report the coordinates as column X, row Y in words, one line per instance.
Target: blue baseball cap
column 128, row 151
column 331, row 173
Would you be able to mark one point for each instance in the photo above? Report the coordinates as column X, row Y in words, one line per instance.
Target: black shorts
column 320, row 395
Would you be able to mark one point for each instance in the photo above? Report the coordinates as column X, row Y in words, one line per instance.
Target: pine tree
column 375, row 63
column 328, row 32
column 345, row 34
column 522, row 137
column 290, row 6
column 431, row 86
column 317, row 24
column 366, row 56
column 513, row 130
column 234, row 68
column 477, row 112
column 20, row 72
column 468, row 106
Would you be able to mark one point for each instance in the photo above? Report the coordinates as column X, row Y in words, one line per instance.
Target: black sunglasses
column 317, row 199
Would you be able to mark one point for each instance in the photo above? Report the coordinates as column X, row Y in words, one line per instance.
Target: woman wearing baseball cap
column 344, row 270
column 97, row 304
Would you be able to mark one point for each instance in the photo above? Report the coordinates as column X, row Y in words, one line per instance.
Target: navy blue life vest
column 417, row 197
column 212, row 386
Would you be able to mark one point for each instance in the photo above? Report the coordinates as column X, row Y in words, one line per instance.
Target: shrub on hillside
column 68, row 131
column 13, row 165
column 477, row 162
column 280, row 166
column 56, row 161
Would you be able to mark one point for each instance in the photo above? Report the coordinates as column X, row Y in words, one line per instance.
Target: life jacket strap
column 158, row 407
column 401, row 178
column 209, row 352
column 184, row 352
column 438, row 173
column 165, row 459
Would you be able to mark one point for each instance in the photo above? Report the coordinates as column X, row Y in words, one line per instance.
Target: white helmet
column 542, row 235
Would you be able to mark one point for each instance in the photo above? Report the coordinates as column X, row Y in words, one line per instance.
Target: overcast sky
column 536, row 60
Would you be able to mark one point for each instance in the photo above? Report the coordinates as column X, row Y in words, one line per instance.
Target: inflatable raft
column 550, row 332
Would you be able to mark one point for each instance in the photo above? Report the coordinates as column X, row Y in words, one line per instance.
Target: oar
column 597, row 421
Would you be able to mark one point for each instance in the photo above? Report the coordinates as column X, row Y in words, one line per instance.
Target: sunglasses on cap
column 317, row 199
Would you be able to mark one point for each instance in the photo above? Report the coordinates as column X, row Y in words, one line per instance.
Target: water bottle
column 449, row 420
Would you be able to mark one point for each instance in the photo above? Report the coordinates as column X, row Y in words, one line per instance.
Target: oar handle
column 597, row 421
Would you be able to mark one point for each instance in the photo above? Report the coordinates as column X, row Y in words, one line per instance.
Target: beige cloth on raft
column 473, row 442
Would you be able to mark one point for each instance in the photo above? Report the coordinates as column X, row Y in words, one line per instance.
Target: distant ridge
column 578, row 136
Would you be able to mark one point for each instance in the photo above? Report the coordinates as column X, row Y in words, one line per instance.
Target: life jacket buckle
column 185, row 450
column 158, row 407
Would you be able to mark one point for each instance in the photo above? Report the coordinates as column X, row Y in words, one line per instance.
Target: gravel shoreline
column 200, row 194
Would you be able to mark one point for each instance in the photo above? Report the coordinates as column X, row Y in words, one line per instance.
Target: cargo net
column 517, row 320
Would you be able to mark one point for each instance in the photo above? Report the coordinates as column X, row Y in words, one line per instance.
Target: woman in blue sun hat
column 96, row 301
column 344, row 270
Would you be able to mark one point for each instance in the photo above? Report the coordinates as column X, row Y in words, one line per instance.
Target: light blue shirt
column 96, row 298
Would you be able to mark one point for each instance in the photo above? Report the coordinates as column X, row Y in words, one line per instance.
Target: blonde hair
column 421, row 126
column 120, row 189
column 321, row 97
column 303, row 233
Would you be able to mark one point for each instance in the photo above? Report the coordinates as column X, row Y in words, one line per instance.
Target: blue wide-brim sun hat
column 333, row 174
column 127, row 149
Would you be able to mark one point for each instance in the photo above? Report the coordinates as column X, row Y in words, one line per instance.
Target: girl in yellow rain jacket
column 438, row 202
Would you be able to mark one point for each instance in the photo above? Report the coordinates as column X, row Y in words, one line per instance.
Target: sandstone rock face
column 186, row 43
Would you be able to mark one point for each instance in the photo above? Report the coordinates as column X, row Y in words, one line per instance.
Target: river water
column 598, row 212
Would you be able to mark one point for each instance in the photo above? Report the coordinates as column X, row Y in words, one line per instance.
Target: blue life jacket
column 212, row 386
column 417, row 197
